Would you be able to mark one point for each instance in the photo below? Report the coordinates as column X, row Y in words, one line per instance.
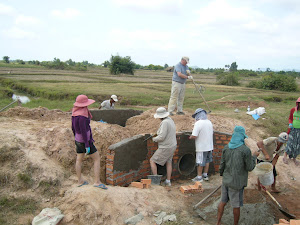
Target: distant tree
column 6, row 59
column 106, row 63
column 20, row 61
column 233, row 67
column 166, row 66
column 268, row 69
column 120, row 64
column 86, row 63
column 70, row 62
column 229, row 79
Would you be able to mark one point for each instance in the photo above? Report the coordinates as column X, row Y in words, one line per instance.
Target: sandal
column 102, row 186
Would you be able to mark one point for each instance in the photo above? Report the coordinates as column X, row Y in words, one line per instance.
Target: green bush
column 277, row 82
column 120, row 64
column 230, row 79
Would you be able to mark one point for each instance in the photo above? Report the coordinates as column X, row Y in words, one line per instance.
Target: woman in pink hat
column 81, row 118
column 293, row 145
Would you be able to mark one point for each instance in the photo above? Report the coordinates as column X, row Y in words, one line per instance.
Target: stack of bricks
column 196, row 188
column 284, row 222
column 220, row 140
column 145, row 183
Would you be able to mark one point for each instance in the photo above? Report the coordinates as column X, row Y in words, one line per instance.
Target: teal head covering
column 238, row 137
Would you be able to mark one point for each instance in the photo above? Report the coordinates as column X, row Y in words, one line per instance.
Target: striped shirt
column 235, row 165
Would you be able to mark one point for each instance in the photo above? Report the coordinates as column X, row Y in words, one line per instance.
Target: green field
column 57, row 89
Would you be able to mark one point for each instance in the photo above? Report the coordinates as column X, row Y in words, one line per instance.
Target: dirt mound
column 36, row 113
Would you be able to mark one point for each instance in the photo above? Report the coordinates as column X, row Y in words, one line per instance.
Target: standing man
column 166, row 138
column 236, row 162
column 203, row 135
column 180, row 74
column 269, row 147
column 109, row 104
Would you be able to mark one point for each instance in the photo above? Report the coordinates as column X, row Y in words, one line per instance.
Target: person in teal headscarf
column 236, row 162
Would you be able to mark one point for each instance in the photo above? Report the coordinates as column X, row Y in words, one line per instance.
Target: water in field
column 23, row 99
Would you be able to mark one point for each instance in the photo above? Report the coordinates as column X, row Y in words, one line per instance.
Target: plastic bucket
column 155, row 179
column 264, row 171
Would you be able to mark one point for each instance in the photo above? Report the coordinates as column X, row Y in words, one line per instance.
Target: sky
column 213, row 33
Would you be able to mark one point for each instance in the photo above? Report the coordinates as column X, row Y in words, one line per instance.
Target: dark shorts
column 80, row 148
column 274, row 169
column 234, row 196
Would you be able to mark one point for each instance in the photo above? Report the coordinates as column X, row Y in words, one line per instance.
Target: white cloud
column 150, row 6
column 6, row 10
column 68, row 13
column 22, row 20
column 17, row 33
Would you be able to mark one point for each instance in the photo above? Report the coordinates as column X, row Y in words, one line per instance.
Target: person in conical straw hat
column 84, row 142
column 167, row 144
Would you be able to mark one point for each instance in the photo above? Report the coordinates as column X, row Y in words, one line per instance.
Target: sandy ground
column 40, row 142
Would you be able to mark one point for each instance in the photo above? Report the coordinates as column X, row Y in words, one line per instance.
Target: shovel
column 198, row 89
column 288, row 215
column 203, row 200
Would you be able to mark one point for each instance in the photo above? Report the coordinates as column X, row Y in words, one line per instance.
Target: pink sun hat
column 83, row 101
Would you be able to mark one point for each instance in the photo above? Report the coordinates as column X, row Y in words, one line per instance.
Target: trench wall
column 129, row 160
column 114, row 116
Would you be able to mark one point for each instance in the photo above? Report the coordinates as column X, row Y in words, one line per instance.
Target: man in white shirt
column 109, row 104
column 203, row 135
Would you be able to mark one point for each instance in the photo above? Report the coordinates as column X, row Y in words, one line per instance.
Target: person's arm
column 260, row 145
column 192, row 137
column 250, row 160
column 182, row 75
column 291, row 120
column 161, row 133
column 222, row 164
column 73, row 125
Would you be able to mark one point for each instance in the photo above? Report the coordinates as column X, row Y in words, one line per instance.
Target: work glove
column 88, row 149
column 188, row 72
column 190, row 77
column 290, row 125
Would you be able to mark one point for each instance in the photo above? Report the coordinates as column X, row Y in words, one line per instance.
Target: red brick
column 111, row 157
column 198, row 184
column 120, row 179
column 146, row 181
column 223, row 138
column 185, row 189
column 137, row 184
column 110, row 167
column 109, row 181
column 284, row 221
column 294, row 222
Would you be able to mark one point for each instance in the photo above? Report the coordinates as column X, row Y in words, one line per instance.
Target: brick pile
column 284, row 222
column 145, row 183
column 196, row 188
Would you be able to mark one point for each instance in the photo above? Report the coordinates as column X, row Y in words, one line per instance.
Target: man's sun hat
column 283, row 137
column 161, row 112
column 114, row 97
column 198, row 111
column 83, row 101
column 187, row 59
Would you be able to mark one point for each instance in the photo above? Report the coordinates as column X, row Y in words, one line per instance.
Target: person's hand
column 188, row 72
column 88, row 149
column 256, row 153
column 267, row 157
column 290, row 125
column 190, row 77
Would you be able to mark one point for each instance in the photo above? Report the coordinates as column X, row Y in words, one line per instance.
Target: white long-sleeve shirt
column 166, row 134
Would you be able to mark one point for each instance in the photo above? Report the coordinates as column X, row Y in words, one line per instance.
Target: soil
column 39, row 142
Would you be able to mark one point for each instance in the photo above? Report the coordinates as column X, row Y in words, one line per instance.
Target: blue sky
column 213, row 33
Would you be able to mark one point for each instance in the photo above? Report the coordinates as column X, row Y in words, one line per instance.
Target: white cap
column 114, row 97
column 161, row 112
column 283, row 137
column 187, row 59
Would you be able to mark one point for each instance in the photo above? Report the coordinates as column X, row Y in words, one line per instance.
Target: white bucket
column 264, row 170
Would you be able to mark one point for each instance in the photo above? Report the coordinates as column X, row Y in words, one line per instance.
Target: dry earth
column 40, row 142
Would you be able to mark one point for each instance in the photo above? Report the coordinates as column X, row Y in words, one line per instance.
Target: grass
column 56, row 89
column 11, row 208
